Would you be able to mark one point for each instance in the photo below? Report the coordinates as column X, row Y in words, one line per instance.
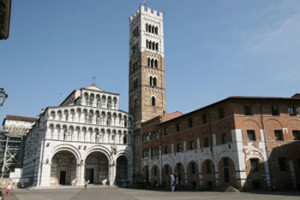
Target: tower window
column 156, row 64
column 135, row 102
column 153, row 81
column 135, row 83
column 151, row 45
column 134, row 66
column 153, row 101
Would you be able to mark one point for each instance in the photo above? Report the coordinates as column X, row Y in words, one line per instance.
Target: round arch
column 226, row 169
column 63, row 168
column 193, row 174
column 122, row 170
column 208, row 174
column 179, row 172
column 66, row 147
column 100, row 149
column 155, row 175
column 166, row 172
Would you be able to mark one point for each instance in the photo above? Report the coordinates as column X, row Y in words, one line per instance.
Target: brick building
column 247, row 142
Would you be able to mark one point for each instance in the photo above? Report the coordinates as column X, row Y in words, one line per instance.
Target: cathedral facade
column 85, row 138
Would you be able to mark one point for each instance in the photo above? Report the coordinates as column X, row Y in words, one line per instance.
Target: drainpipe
column 160, row 174
column 265, row 140
column 211, row 145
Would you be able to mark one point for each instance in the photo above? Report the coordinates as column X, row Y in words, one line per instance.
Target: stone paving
column 114, row 193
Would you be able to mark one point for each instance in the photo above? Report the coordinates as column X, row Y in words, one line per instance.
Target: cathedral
column 85, row 138
column 242, row 142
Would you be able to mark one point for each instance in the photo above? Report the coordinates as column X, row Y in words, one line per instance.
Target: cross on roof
column 94, row 78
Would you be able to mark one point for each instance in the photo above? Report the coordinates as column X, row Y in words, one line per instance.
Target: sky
column 213, row 49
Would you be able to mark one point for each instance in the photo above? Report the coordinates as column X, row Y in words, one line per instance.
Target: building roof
column 93, row 87
column 19, row 118
column 295, row 97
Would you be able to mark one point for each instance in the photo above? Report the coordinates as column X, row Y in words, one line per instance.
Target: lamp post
column 3, row 96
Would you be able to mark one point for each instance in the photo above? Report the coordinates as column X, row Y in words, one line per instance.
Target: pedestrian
column 85, row 184
column 8, row 188
column 1, row 194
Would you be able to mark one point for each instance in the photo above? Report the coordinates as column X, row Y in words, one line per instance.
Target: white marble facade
column 85, row 138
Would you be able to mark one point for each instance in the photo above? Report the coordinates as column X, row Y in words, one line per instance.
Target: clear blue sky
column 213, row 49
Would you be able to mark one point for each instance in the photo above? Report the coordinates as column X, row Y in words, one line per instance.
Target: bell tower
column 146, row 65
column 146, row 74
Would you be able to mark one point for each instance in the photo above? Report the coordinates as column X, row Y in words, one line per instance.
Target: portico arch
column 63, row 168
column 122, row 170
column 96, row 168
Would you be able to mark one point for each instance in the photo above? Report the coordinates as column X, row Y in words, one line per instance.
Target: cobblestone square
column 114, row 193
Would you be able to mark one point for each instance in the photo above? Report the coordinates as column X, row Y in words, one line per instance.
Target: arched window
column 156, row 46
column 151, row 81
column 108, row 123
column 86, row 98
column 90, row 117
column 156, row 63
column 109, row 103
column 153, row 45
column 98, row 101
column 153, row 101
column 156, row 30
column 152, row 63
column 135, row 83
column 154, row 81
column 135, row 102
column 147, row 43
column 91, row 100
column 125, row 139
column 147, row 27
column 153, row 29
column 149, row 62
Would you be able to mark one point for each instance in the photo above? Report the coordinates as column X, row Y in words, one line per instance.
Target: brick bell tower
column 146, row 73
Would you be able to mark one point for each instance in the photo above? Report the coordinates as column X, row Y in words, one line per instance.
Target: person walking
column 8, row 188
column 86, row 184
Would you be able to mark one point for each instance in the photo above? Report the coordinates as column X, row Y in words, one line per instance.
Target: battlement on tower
column 148, row 11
